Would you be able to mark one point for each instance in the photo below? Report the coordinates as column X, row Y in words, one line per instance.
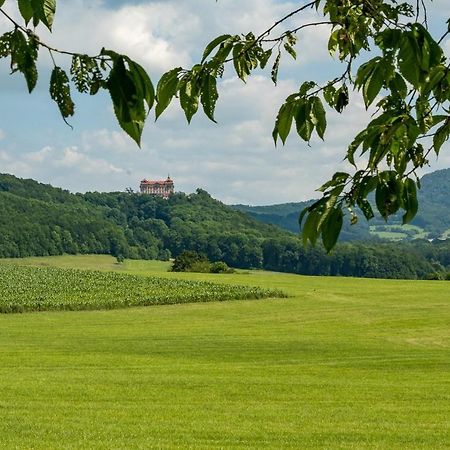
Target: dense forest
column 40, row 220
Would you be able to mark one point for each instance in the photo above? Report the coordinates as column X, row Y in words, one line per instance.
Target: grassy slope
column 344, row 363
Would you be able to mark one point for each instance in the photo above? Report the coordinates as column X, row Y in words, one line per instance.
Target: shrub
column 191, row 261
column 220, row 267
column 435, row 276
column 185, row 261
column 200, row 266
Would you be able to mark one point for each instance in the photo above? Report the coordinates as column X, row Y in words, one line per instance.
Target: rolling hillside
column 40, row 220
column 432, row 220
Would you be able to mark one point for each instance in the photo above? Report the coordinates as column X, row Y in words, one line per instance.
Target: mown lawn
column 343, row 363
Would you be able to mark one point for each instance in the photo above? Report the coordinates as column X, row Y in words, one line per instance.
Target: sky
column 235, row 160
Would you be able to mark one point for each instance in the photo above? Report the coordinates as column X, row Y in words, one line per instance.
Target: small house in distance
column 161, row 188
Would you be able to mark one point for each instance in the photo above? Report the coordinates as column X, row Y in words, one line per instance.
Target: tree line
column 40, row 220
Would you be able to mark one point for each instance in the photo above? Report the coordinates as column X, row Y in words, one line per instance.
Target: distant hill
column 434, row 212
column 39, row 220
column 432, row 220
column 286, row 216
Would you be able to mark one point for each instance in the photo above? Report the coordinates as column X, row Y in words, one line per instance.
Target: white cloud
column 39, row 156
column 106, row 140
column 73, row 159
column 235, row 159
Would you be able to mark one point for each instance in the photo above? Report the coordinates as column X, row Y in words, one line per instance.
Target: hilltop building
column 161, row 188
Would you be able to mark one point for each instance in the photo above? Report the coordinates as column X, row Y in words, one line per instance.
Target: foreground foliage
column 41, row 289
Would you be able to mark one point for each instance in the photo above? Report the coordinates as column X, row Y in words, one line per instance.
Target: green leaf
column 438, row 119
column 239, row 61
column 398, row 86
column 365, row 207
column 303, row 121
column 306, row 87
column 424, row 114
column 339, row 178
column 217, row 61
column 388, row 39
column 24, row 54
column 284, row 120
column 367, row 185
column 318, row 112
column 60, row 92
column 436, row 75
column 213, row 44
column 47, row 12
column 333, row 42
column 264, row 58
column 128, row 104
column 331, row 228
column 373, row 84
column 441, row 135
column 275, row 67
column 365, row 71
column 330, row 199
column 189, row 98
column 342, row 98
column 430, row 50
column 410, row 203
column 310, row 230
column 388, row 194
column 288, row 47
column 209, row 95
column 356, row 143
column 166, row 89
column 301, row 216
column 26, row 10
column 85, row 73
column 408, row 58
column 329, row 94
column 142, row 82
column 5, row 44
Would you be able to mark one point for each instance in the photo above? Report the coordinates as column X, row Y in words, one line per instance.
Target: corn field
column 25, row 289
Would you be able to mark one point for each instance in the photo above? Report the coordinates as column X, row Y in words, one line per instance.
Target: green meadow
column 340, row 364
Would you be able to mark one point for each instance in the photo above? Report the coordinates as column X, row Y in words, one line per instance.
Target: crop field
column 340, row 364
column 50, row 288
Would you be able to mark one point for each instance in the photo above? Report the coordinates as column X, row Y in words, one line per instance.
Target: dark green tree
column 187, row 259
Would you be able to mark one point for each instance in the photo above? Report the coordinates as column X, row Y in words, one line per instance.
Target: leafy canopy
column 407, row 82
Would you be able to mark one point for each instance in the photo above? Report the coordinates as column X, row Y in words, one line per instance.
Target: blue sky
column 235, row 160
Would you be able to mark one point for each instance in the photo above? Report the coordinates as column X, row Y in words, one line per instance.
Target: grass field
column 341, row 364
column 398, row 232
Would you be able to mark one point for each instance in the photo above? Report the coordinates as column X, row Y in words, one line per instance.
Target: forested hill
column 432, row 220
column 38, row 219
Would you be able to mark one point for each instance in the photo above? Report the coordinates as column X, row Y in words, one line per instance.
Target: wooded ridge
column 40, row 220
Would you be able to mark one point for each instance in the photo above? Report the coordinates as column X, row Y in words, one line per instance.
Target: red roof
column 168, row 181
